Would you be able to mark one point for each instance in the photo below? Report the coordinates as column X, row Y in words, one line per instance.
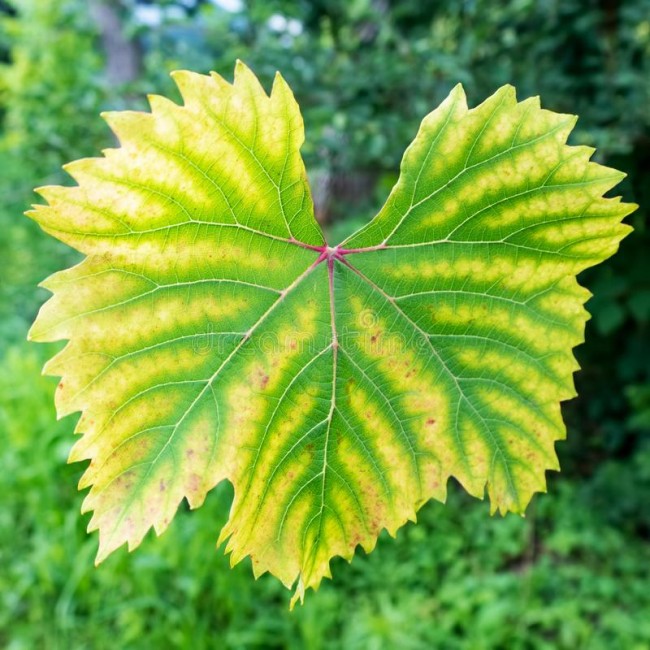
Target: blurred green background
column 575, row 573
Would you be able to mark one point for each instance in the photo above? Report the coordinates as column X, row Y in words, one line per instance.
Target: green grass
column 568, row 576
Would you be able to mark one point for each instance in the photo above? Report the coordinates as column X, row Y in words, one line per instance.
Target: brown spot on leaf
column 194, row 482
column 260, row 378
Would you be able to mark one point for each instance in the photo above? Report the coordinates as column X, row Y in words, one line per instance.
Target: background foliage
column 574, row 573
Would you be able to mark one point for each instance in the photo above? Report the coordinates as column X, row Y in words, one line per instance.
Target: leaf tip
column 34, row 336
column 279, row 82
column 76, row 455
column 458, row 92
column 241, row 69
column 625, row 228
column 41, row 190
column 298, row 594
column 180, row 74
column 504, row 96
column 244, row 76
column 102, row 554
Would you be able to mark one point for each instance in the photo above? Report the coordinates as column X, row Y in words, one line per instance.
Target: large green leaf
column 214, row 335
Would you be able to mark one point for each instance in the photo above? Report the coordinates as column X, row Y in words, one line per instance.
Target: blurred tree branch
column 123, row 53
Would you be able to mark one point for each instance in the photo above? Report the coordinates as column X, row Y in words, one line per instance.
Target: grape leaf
column 213, row 334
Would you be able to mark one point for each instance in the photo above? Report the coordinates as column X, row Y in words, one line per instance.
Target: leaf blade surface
column 214, row 335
